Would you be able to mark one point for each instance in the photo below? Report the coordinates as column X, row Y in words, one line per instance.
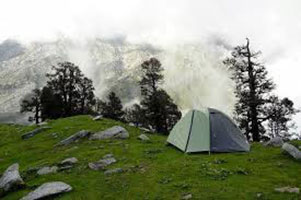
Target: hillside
column 114, row 65
column 152, row 170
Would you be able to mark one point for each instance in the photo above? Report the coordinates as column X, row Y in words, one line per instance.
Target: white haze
column 273, row 26
column 194, row 75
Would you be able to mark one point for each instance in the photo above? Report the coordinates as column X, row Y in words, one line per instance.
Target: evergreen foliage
column 68, row 92
column 280, row 112
column 32, row 103
column 160, row 113
column 256, row 105
column 113, row 108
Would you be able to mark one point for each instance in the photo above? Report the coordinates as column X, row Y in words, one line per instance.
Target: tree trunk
column 253, row 100
column 37, row 114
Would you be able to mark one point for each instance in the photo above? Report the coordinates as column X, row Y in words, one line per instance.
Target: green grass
column 153, row 170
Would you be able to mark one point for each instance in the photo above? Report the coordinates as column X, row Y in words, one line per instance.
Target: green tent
column 207, row 130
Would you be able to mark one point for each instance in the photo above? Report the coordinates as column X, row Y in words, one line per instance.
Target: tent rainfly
column 207, row 130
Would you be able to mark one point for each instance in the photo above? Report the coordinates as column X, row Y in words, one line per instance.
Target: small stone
column 187, row 196
column 69, row 161
column 115, row 132
column 143, row 137
column 113, row 171
column 275, row 142
column 146, row 130
column 95, row 166
column 259, row 195
column 102, row 163
column 65, row 167
column 47, row 170
column 288, row 189
column 108, row 156
column 54, row 135
column 34, row 132
column 47, row 190
column 75, row 137
column 108, row 161
column 131, row 124
column 97, row 118
column 42, row 123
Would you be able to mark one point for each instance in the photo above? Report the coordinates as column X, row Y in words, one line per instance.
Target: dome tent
column 207, row 130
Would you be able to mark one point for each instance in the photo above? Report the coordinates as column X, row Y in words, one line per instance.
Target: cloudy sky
column 274, row 26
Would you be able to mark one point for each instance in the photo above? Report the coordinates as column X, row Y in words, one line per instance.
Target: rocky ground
column 82, row 158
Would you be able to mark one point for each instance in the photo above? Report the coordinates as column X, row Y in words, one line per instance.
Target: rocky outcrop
column 292, row 150
column 10, row 179
column 34, row 132
column 115, row 132
column 47, row 190
column 275, row 142
column 75, row 137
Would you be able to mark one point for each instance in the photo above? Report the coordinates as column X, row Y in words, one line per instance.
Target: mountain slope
column 152, row 170
column 194, row 74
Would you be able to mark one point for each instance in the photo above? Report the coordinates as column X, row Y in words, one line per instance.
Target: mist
column 214, row 27
column 194, row 74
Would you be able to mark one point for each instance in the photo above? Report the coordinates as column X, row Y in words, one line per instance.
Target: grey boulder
column 47, row 170
column 75, row 137
column 48, row 189
column 117, row 132
column 143, row 137
column 10, row 179
column 275, row 142
column 34, row 132
column 292, row 150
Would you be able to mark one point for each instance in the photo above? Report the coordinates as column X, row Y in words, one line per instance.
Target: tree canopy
column 160, row 112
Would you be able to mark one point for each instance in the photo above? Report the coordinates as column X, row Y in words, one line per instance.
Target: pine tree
column 152, row 77
column 32, row 103
column 252, row 89
column 135, row 115
column 86, row 96
column 74, row 90
column 279, row 112
column 161, row 113
column 51, row 104
column 112, row 108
